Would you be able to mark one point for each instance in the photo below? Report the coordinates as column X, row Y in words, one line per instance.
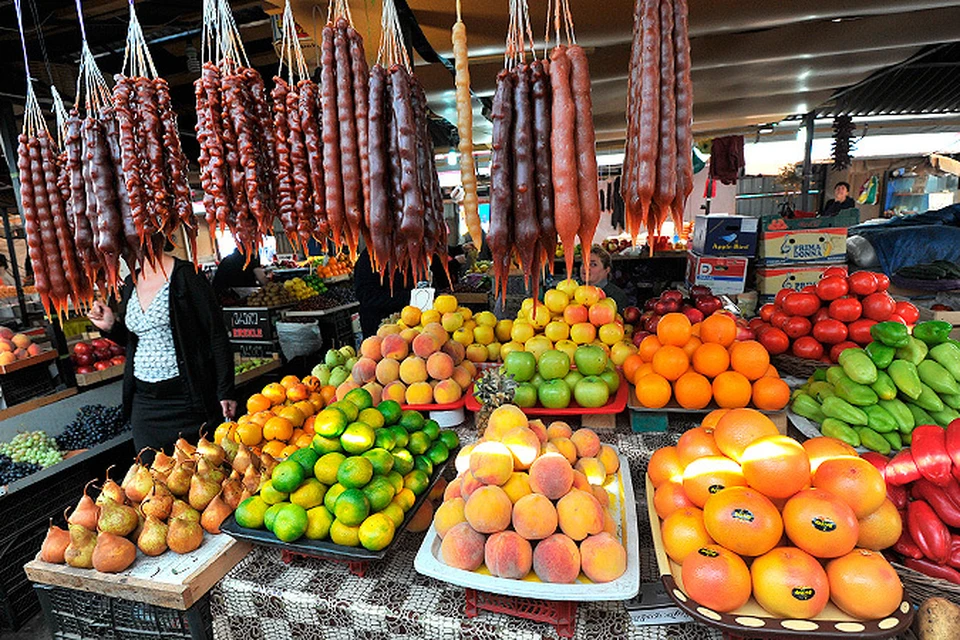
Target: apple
column 612, row 379
column 103, row 364
column 638, row 337
column 85, row 369
column 672, row 306
column 521, row 365
column 322, row 373
column 525, row 395
column 700, row 290
column 117, row 350
column 85, row 359
column 575, row 314
column 82, row 348
column 631, row 315
column 572, row 378
column 649, row 304
column 100, row 343
column 554, row 394
column 661, row 308
column 591, row 360
column 591, row 392
column 671, row 294
column 693, row 314
column 708, row 304
column 650, row 324
column 117, row 360
column 553, row 364
column 102, row 353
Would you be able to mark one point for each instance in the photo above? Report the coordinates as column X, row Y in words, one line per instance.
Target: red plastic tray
column 616, row 404
column 450, row 406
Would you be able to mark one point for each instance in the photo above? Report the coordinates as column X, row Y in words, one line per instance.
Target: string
column 83, row 29
column 43, row 43
column 23, row 42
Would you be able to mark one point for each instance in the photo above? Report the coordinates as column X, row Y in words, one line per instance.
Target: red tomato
column 774, row 340
column 778, row 318
column 862, row 283
column 859, row 331
column 807, row 347
column 840, row 346
column 879, row 306
column 801, row 304
column 755, row 323
column 797, row 326
column 883, row 282
column 830, row 331
column 896, row 317
column 834, row 271
column 823, row 313
column 783, row 293
column 845, row 309
column 766, row 311
column 907, row 311
column 832, row 287
column 809, row 289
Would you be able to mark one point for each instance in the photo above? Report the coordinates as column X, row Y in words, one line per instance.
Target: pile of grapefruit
column 747, row 511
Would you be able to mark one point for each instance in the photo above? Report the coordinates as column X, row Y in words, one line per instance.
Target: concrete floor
column 34, row 629
column 54, row 417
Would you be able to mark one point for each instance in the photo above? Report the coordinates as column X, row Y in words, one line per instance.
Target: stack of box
column 722, row 246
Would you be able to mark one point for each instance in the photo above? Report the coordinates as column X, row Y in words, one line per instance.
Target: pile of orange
column 279, row 419
column 811, row 519
column 334, row 267
column 703, row 362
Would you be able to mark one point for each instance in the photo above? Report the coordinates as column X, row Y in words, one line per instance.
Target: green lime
column 270, row 514
column 438, row 452
column 306, row 458
column 423, row 463
column 376, row 532
column 290, row 522
column 391, row 411
column 309, row 494
column 419, row 442
column 333, row 493
column 417, row 481
column 326, row 468
column 379, row 492
column 348, row 409
column 249, row 514
column 360, row 397
column 357, row 438
column 371, row 417
column 432, row 429
column 396, row 480
column 287, row 476
column 411, row 420
column 330, row 422
column 385, row 439
column 341, row 533
column 402, row 461
column 318, row 523
column 401, row 436
column 381, row 460
column 323, row 444
column 395, row 512
column 270, row 494
column 450, row 438
column 354, row 472
column 352, row 507
column 405, row 499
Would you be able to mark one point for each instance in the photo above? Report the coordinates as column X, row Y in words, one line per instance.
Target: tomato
column 807, row 347
column 862, row 283
column 832, row 287
column 766, row 311
column 907, row 311
column 834, row 271
column 896, row 317
column 797, row 326
column 841, row 346
column 830, row 331
column 778, row 318
column 883, row 282
column 774, row 340
column 845, row 309
column 809, row 289
column 756, row 323
column 859, row 331
column 823, row 313
column 801, row 304
column 879, row 306
column 783, row 293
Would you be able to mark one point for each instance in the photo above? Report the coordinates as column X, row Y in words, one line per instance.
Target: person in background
column 5, row 276
column 841, row 200
column 178, row 375
column 234, row 271
column 376, row 299
column 600, row 276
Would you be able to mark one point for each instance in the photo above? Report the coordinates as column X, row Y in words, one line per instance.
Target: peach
column 469, row 366
column 586, row 441
column 476, row 353
column 6, row 345
column 534, row 517
column 609, row 524
column 439, row 366
column 370, row 348
column 455, row 350
column 448, row 515
column 437, row 331
column 491, row 463
column 592, row 468
column 524, row 445
column 388, row 370
column 508, row 555
column 566, row 448
column 538, row 428
column 426, row 344
column 7, row 357
column 559, row 429
column 462, row 547
column 413, row 369
column 365, row 370
column 462, row 461
column 452, row 490
column 388, row 330
column 394, row 347
column 604, row 558
column 551, row 475
column 6, row 333
column 21, row 341
column 601, row 495
column 447, row 391
column 345, row 388
column 557, row 559
column 20, row 354
column 517, row 486
column 419, row 393
column 488, row 509
column 469, row 484
column 462, row 377
column 376, row 391
column 609, row 458
column 409, row 334
column 580, row 481
column 33, row 350
column 396, row 391
column 504, row 419
column 580, row 514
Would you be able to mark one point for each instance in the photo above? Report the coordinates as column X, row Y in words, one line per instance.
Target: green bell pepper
column 856, row 394
column 833, row 428
column 907, row 438
column 945, row 416
column 919, row 415
column 952, row 401
column 948, row 354
column 934, row 375
column 858, row 366
column 884, row 387
column 892, row 334
column 880, row 354
column 932, row 332
column 819, row 374
column 879, row 419
column 834, row 374
column 804, row 405
column 928, row 399
column 821, row 390
column 873, row 440
column 915, row 351
column 904, row 375
column 900, row 412
column 894, row 438
column 840, row 409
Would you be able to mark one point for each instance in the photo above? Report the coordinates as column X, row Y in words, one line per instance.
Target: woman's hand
column 101, row 316
column 229, row 408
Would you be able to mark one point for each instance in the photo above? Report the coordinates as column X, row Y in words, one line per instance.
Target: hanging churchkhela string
column 468, row 175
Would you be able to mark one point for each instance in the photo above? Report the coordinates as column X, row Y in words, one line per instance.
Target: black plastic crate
column 26, row 384
column 336, row 329
column 79, row 615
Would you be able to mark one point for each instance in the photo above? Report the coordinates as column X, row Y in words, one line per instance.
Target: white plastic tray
column 623, row 510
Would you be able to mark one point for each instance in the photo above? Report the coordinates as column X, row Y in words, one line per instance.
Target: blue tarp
column 914, row 239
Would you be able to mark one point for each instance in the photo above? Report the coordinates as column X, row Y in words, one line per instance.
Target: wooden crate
column 110, row 373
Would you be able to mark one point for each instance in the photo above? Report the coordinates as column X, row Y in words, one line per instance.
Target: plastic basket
column 336, row 329
column 25, row 384
column 562, row 615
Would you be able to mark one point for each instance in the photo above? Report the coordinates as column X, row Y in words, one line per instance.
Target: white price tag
column 423, row 298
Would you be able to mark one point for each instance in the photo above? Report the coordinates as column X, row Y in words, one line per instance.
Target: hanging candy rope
column 468, row 175
column 519, row 35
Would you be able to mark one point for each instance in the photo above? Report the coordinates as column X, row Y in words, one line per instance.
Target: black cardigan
column 204, row 354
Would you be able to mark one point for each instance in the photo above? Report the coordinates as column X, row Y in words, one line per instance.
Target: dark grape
column 94, row 424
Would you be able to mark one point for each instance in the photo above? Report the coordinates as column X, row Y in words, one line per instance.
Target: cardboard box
column 800, row 240
column 722, row 275
column 723, row 235
column 770, row 279
column 953, row 317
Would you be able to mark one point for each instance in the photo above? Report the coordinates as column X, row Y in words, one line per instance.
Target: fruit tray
column 323, row 548
column 45, row 356
column 753, row 621
column 615, row 404
column 428, row 560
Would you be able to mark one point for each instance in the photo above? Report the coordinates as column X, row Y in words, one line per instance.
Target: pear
column 243, row 459
column 202, row 491
column 140, row 520
column 210, row 450
column 110, row 489
column 118, row 519
column 162, row 463
column 54, row 544
column 140, row 485
column 153, row 539
column 217, row 475
column 159, row 503
column 86, row 512
column 231, row 490
column 183, row 510
column 230, row 449
column 128, row 477
column 113, row 554
column 252, row 479
column 79, row 553
column 183, row 449
column 206, row 468
column 184, row 536
column 215, row 513
column 179, row 479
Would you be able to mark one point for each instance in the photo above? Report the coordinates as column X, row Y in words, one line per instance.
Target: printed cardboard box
column 770, row 279
column 798, row 240
column 726, row 275
column 723, row 235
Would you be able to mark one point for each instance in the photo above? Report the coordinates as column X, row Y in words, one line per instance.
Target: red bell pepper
column 953, row 442
column 952, row 491
column 878, row 460
column 954, row 560
column 929, row 451
column 902, row 469
column 906, row 546
column 938, row 499
column 897, row 495
column 933, row 570
column 955, row 471
column 928, row 531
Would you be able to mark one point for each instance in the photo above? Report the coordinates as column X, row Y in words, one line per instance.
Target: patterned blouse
column 156, row 357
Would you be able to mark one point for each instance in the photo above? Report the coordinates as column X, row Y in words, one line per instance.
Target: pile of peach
column 530, row 497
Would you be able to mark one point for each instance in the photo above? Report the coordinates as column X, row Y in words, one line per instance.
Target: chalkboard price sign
column 247, row 324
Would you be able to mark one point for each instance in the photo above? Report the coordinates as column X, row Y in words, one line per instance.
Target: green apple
column 554, row 394
column 572, row 378
column 591, row 392
column 525, row 395
column 352, row 360
column 590, row 359
column 334, row 358
column 536, row 380
column 612, row 378
column 338, row 375
column 521, row 365
column 553, row 364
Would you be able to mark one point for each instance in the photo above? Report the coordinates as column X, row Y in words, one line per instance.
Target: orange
column 693, row 391
column 822, row 448
column 306, row 408
column 683, row 533
column 691, row 346
column 737, row 428
column 288, row 381
column 710, row 359
column 275, row 392
column 732, row 390
column 648, row 346
column 770, row 394
column 716, row 578
column 278, row 428
column 706, row 476
column 880, row 529
column 749, row 358
column 664, row 466
column 696, row 443
column 776, row 466
column 249, row 433
column 864, row 585
column 258, row 402
column 673, row 329
column 771, row 372
column 820, row 523
column 743, row 520
column 308, row 425
column 294, row 415
column 275, row 448
column 790, row 583
column 630, row 366
column 671, row 362
column 645, row 369
column 653, row 391
column 303, row 441
column 711, row 419
column 669, row 497
column 719, row 329
column 289, row 450
column 853, row 480
column 328, row 393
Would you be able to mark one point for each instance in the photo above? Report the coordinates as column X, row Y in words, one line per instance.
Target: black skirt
column 161, row 412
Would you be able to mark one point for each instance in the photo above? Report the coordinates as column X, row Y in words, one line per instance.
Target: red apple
column 744, row 333
column 694, row 315
column 671, row 294
column 85, row 369
column 103, row 364
column 661, row 308
column 650, row 324
column 700, row 290
column 82, row 347
column 117, row 360
column 631, row 315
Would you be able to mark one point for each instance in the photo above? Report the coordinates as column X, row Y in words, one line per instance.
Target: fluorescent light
column 452, row 158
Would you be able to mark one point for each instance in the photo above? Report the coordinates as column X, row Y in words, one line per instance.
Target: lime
column 396, row 480
column 423, row 463
column 333, row 493
column 405, row 499
column 402, row 461
column 318, row 523
column 357, row 438
column 249, row 514
column 287, row 476
column 326, row 468
column 360, row 397
column 432, row 429
column 381, row 460
column 411, row 420
column 270, row 494
column 379, row 492
column 419, row 442
column 306, row 458
column 352, row 507
column 371, row 417
column 385, row 439
column 346, row 535
column 270, row 514
column 450, row 438
column 376, row 532
column 395, row 512
column 401, row 436
column 391, row 411
column 290, row 522
column 417, row 481
column 354, row 472
column 348, row 409
column 323, row 444
column 438, row 452
column 309, row 494
column 330, row 422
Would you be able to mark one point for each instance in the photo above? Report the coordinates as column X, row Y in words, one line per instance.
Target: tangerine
column 820, row 523
column 258, row 402
column 853, row 480
column 693, row 391
column 770, row 394
column 776, row 466
column 711, row 419
column 630, row 366
column 771, row 372
column 864, row 585
column 249, row 433
column 880, row 529
column 790, row 583
column 737, row 428
column 691, row 346
column 683, row 533
column 696, row 443
column 648, row 347
column 664, row 466
column 275, row 448
column 823, row 448
column 653, row 391
column 670, row 362
column 732, row 390
column 716, row 578
column 711, row 359
column 278, row 428
column 669, row 497
column 706, row 476
column 743, row 520
column 719, row 329
column 749, row 358
column 673, row 329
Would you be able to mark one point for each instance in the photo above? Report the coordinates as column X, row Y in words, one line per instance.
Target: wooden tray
column 753, row 621
column 614, row 405
column 251, row 374
column 46, row 356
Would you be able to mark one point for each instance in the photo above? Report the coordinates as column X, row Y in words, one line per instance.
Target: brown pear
column 113, row 554
column 210, row 450
column 86, row 512
column 159, row 503
column 129, row 476
column 215, row 513
column 110, row 489
column 202, row 491
column 79, row 553
column 140, row 486
column 162, row 463
column 251, row 479
column 184, row 448
column 267, row 463
column 140, row 520
column 179, row 479
column 184, row 536
column 230, row 449
column 153, row 539
column 231, row 490
column 183, row 510
column 243, row 459
column 118, row 519
column 54, row 544
column 216, row 474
